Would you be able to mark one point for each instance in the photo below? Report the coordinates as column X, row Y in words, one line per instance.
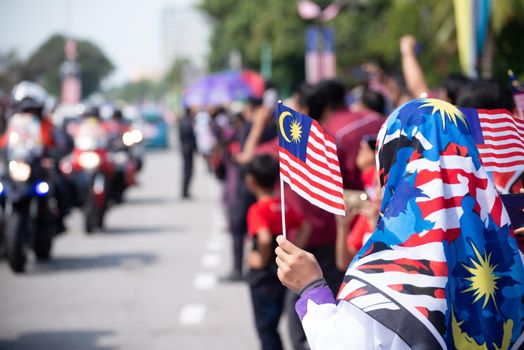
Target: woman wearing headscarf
column 442, row 269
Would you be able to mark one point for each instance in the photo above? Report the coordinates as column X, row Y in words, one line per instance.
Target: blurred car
column 155, row 130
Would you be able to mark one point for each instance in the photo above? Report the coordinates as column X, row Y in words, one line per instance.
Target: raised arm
column 413, row 75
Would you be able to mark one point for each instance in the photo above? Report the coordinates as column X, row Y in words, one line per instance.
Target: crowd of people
column 241, row 147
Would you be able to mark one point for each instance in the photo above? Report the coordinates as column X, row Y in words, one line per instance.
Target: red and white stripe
column 318, row 179
column 503, row 148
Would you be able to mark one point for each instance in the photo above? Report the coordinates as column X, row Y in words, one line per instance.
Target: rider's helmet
column 91, row 111
column 29, row 97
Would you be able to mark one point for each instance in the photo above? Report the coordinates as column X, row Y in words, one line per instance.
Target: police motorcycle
column 91, row 169
column 133, row 138
column 32, row 214
column 122, row 138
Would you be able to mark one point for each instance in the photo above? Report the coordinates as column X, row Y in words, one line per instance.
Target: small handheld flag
column 308, row 160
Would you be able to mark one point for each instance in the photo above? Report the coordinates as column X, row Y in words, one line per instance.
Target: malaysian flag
column 308, row 160
column 500, row 140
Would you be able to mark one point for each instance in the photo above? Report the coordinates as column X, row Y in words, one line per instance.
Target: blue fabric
column 289, row 120
column 438, row 197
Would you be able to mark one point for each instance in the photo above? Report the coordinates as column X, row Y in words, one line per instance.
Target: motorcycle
column 133, row 140
column 32, row 215
column 124, row 147
column 91, row 169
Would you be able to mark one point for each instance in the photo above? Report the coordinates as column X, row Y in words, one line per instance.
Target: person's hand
column 254, row 260
column 407, row 45
column 344, row 221
column 242, row 158
column 296, row 267
column 365, row 156
column 371, row 210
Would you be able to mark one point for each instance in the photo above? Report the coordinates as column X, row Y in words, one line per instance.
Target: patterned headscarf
column 442, row 269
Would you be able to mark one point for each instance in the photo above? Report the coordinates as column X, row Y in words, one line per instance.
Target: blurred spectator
column 396, row 90
column 485, row 94
column 205, row 140
column 326, row 104
column 355, row 228
column 258, row 118
column 232, row 168
column 264, row 220
column 369, row 101
column 452, row 87
column 187, row 146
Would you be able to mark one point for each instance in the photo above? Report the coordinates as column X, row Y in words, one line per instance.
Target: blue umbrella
column 223, row 87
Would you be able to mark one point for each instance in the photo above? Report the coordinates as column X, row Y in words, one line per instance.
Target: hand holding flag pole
column 308, row 162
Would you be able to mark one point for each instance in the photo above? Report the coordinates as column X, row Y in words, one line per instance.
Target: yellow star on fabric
column 296, row 131
column 483, row 279
column 446, row 110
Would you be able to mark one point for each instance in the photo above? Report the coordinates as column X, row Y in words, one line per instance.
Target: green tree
column 44, row 64
column 11, row 71
column 174, row 77
column 364, row 29
column 247, row 25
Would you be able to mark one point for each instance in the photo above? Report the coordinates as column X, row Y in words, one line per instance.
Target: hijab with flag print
column 442, row 269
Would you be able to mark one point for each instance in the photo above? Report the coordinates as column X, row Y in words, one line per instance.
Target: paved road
column 149, row 282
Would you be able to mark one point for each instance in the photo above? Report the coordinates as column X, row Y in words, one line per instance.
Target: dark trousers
column 238, row 224
column 326, row 259
column 268, row 298
column 187, row 166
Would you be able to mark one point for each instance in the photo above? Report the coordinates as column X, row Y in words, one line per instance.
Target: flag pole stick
column 282, row 202
column 283, row 206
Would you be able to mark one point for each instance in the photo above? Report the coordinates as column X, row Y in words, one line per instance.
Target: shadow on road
column 148, row 200
column 117, row 230
column 131, row 261
column 66, row 340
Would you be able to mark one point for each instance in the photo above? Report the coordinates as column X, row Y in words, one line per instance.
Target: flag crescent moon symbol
column 283, row 116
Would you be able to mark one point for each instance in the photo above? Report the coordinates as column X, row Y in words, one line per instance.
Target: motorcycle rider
column 116, row 127
column 28, row 97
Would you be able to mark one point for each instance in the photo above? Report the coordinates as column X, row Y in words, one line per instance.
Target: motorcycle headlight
column 132, row 137
column 128, row 138
column 19, row 171
column 137, row 136
column 89, row 160
column 84, row 143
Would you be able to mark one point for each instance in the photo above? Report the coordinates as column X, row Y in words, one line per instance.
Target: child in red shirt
column 264, row 223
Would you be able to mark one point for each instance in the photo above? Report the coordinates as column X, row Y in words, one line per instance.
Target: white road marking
column 204, row 281
column 192, row 314
column 210, row 260
column 218, row 222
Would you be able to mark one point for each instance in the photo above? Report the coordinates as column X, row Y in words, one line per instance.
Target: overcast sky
column 128, row 31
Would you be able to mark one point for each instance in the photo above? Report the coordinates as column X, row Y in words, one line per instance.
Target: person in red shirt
column 264, row 222
column 354, row 229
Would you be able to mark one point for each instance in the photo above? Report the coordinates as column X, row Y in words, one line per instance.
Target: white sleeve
column 331, row 326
